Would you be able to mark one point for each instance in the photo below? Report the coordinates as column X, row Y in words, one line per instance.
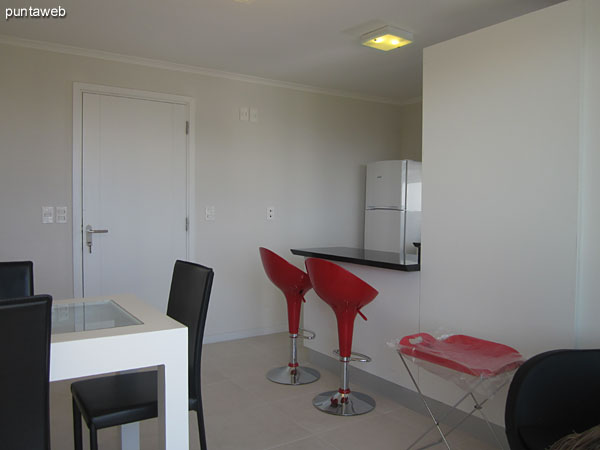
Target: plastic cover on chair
column 473, row 364
column 466, row 354
column 463, row 360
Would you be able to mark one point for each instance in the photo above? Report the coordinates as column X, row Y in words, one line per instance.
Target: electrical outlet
column 244, row 113
column 270, row 212
column 61, row 214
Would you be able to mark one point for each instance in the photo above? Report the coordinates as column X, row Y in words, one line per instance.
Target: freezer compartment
column 394, row 185
column 386, row 184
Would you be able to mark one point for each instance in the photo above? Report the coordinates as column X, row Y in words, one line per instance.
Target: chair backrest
column 24, row 373
column 16, row 279
column 552, row 395
column 338, row 287
column 287, row 277
column 188, row 304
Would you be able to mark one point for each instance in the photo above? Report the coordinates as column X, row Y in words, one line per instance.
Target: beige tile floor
column 245, row 411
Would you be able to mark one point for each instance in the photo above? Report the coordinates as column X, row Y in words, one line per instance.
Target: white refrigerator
column 393, row 207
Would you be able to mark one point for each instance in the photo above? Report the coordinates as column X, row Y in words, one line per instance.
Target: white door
column 134, row 166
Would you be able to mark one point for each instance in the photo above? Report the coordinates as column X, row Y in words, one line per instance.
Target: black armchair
column 551, row 395
column 16, row 279
column 120, row 399
column 24, row 373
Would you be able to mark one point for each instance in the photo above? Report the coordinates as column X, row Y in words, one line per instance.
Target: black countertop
column 386, row 260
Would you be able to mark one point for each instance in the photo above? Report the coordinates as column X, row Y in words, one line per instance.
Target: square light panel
column 387, row 38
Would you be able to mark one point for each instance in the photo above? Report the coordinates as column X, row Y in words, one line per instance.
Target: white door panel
column 134, row 186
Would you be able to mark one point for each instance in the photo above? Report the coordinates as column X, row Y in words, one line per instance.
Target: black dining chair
column 551, row 395
column 24, row 373
column 16, row 279
column 125, row 398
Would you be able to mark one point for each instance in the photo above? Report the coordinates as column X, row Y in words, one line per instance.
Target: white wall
column 502, row 117
column 588, row 311
column 305, row 156
column 410, row 122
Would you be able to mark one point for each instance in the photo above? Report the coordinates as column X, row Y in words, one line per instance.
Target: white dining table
column 115, row 342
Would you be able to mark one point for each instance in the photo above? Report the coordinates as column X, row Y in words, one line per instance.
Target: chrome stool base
column 293, row 375
column 356, row 403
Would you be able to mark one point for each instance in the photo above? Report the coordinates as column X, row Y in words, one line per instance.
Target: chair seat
column 117, row 399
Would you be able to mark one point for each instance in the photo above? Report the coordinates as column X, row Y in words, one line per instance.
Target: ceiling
column 308, row 42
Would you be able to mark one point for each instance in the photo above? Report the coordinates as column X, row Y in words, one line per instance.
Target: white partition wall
column 505, row 110
column 588, row 295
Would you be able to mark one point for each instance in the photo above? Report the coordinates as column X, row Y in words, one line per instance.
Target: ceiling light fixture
column 386, row 38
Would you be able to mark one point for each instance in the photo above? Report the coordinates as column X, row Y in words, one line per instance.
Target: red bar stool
column 346, row 294
column 294, row 283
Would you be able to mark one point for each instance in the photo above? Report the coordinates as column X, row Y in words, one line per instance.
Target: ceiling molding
column 159, row 64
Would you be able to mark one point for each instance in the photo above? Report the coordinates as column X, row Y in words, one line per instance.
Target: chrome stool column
column 344, row 402
column 293, row 373
column 294, row 283
column 346, row 294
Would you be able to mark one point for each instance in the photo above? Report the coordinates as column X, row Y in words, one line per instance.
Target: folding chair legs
column 436, row 422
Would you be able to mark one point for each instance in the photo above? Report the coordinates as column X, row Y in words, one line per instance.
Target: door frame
column 77, row 207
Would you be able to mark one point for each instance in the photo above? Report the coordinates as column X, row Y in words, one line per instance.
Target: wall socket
column 270, row 212
column 248, row 114
column 61, row 214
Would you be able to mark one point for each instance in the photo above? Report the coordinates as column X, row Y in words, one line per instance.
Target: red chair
column 294, row 283
column 346, row 294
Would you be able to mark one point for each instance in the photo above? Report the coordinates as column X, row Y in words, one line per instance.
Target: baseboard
column 475, row 426
column 231, row 336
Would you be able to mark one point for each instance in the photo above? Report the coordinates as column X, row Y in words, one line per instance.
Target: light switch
column 244, row 113
column 253, row 114
column 210, row 213
column 47, row 214
column 61, row 214
column 270, row 212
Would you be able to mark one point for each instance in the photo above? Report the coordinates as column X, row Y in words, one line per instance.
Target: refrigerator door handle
column 384, row 208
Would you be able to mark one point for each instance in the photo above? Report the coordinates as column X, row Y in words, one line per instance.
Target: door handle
column 89, row 231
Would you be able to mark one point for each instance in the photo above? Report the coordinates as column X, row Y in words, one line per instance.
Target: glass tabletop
column 88, row 316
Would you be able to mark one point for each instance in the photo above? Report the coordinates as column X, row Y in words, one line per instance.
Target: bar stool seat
column 294, row 284
column 346, row 294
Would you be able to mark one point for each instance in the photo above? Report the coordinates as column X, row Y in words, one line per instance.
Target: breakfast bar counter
column 362, row 256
